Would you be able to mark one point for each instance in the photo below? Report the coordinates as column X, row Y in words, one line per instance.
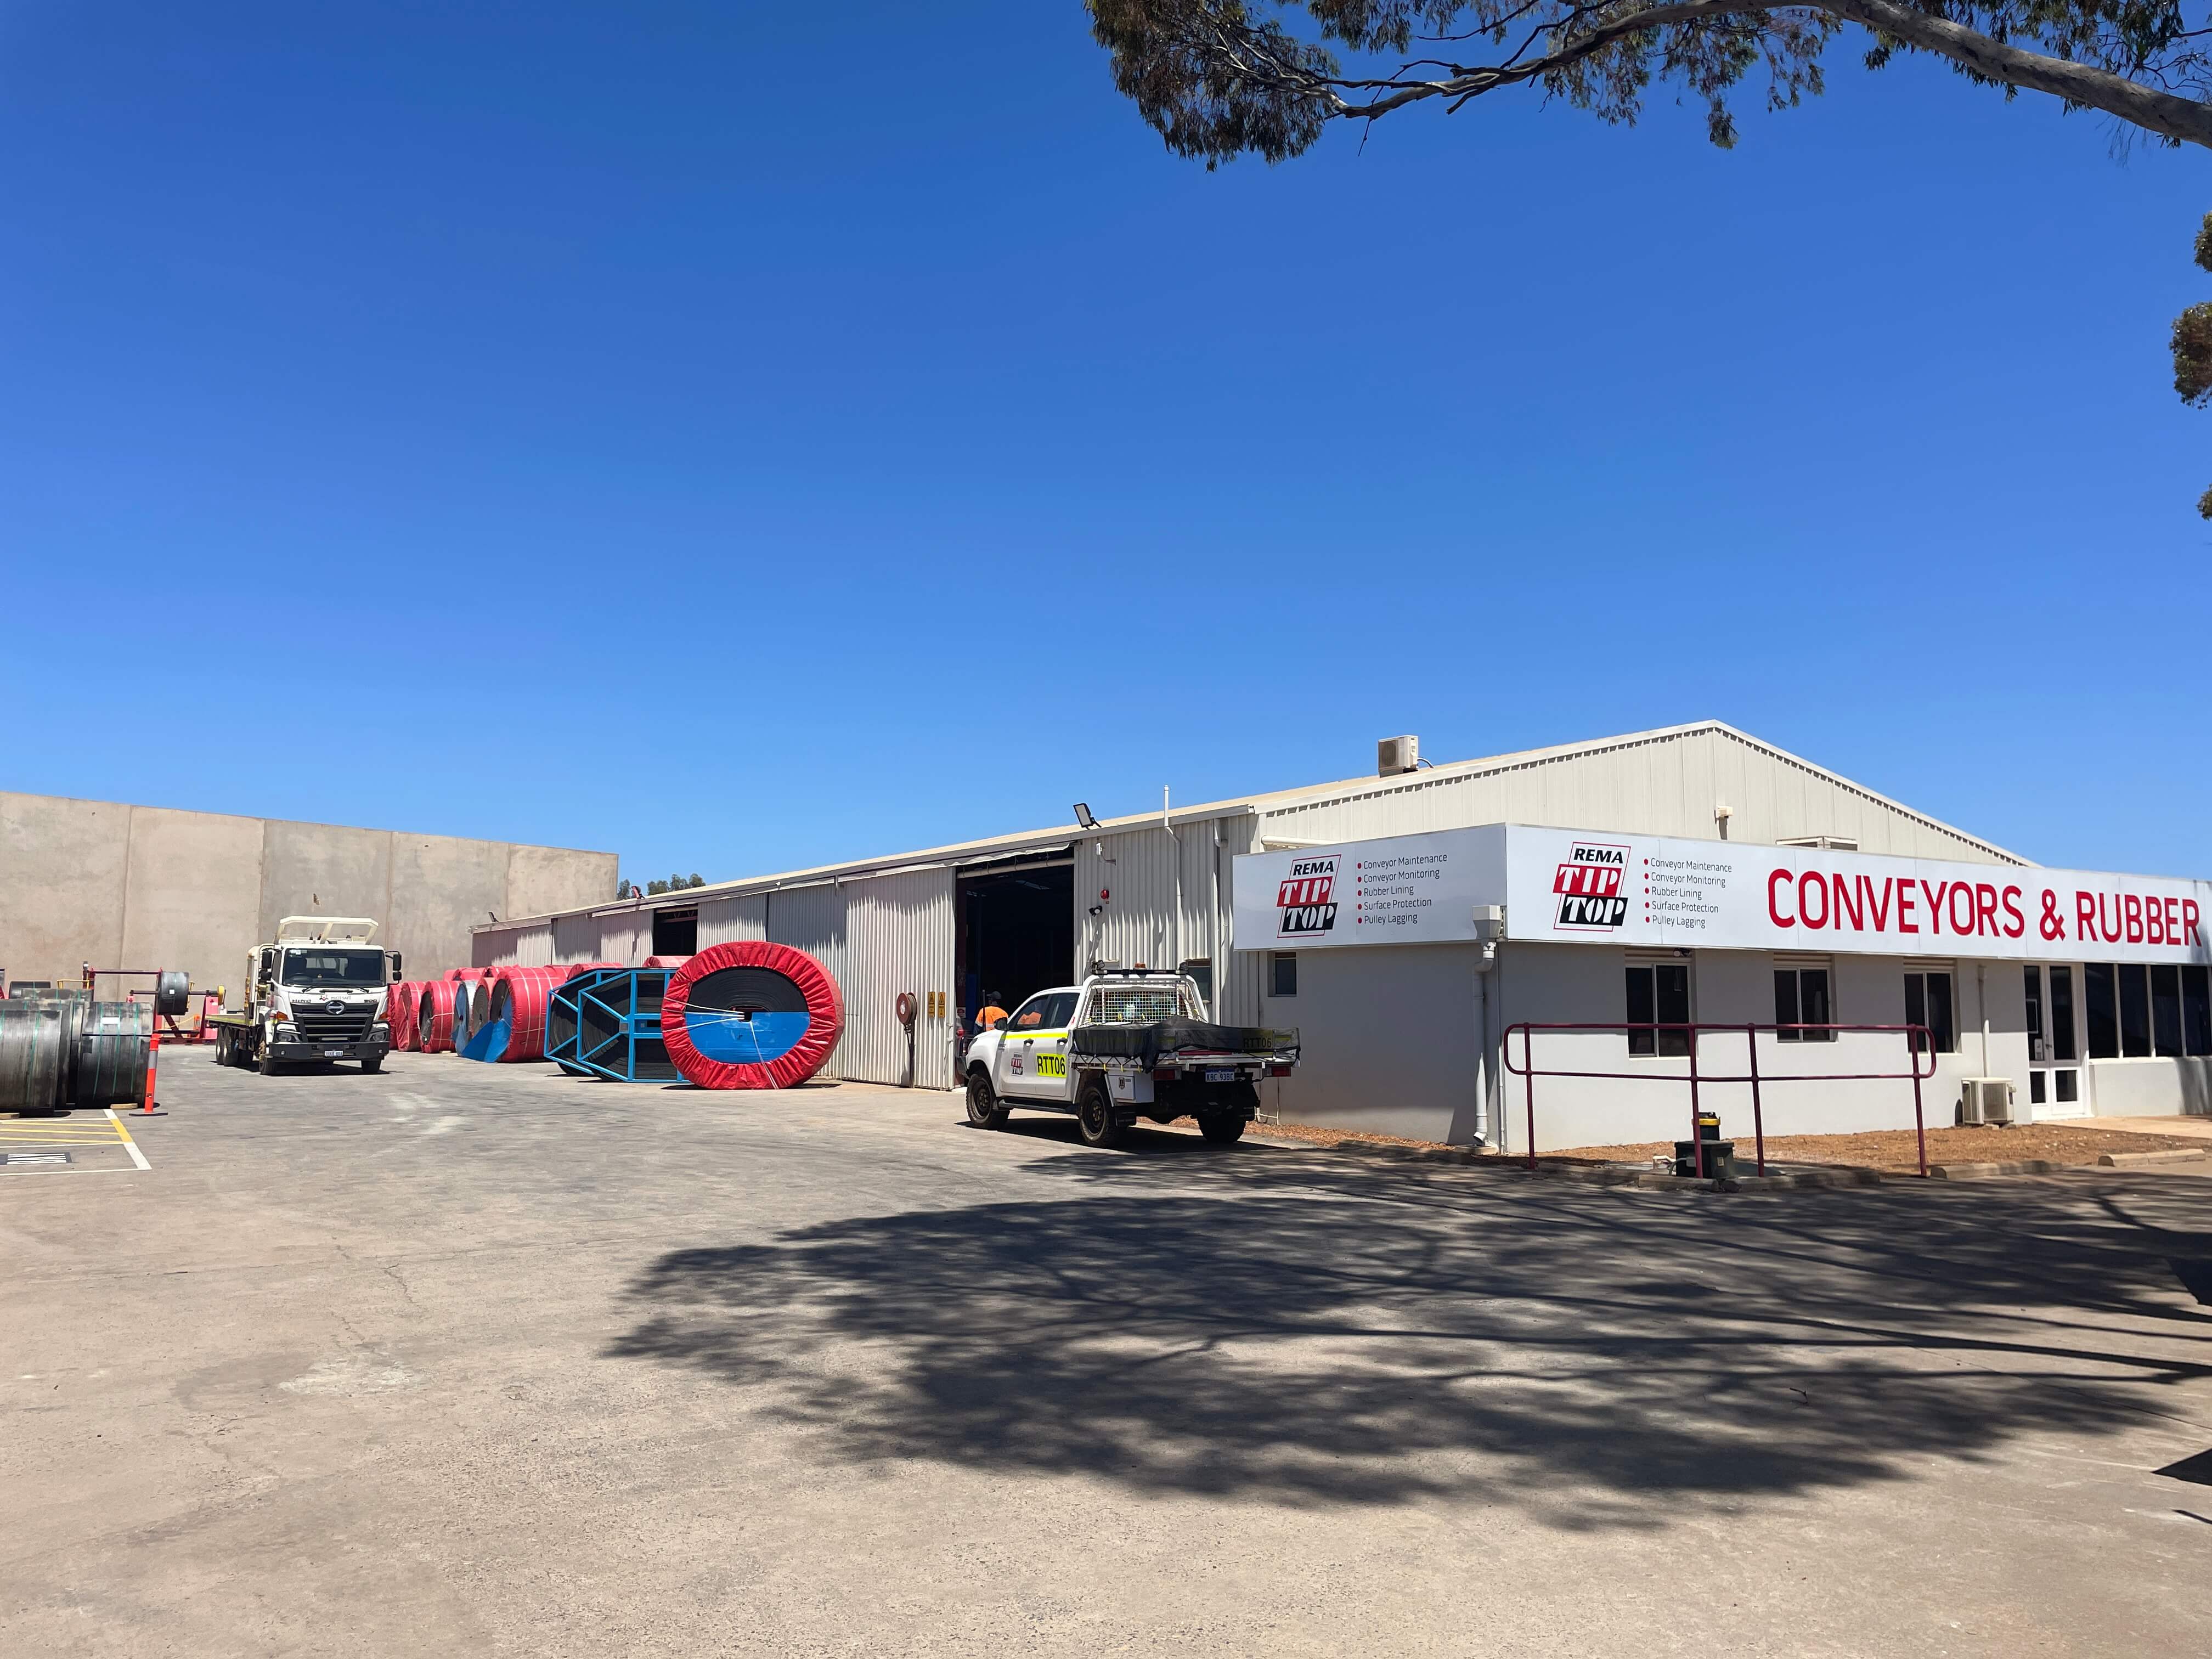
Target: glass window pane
column 1785, row 1003
column 1941, row 1026
column 1671, row 990
column 2062, row 1015
column 1639, row 1010
column 1813, row 998
column 2101, row 1003
column 2196, row 1010
column 1916, row 1004
column 2134, row 1010
column 2070, row 1086
column 2035, row 1088
column 1286, row 982
column 2035, row 1033
column 2165, row 1009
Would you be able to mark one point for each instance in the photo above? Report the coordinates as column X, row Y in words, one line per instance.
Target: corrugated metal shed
column 898, row 938
column 886, row 925
column 733, row 920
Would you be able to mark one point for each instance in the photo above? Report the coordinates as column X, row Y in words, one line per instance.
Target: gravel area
column 1879, row 1149
column 1895, row 1149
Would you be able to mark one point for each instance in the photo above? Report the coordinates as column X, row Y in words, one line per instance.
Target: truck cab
column 318, row 992
column 1123, row 1044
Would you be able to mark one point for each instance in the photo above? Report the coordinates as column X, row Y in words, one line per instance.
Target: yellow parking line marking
column 128, row 1144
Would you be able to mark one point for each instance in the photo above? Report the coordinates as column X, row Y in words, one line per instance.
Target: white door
column 1033, row 1054
column 2055, row 1076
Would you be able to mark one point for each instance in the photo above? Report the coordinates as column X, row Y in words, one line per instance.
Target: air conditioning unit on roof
column 1986, row 1099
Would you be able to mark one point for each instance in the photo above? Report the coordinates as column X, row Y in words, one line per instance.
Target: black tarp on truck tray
column 1145, row 1043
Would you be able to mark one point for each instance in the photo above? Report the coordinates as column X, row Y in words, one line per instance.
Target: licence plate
column 1225, row 1076
column 333, row 1054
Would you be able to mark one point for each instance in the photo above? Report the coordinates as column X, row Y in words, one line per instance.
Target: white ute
column 315, row 993
column 1123, row 1045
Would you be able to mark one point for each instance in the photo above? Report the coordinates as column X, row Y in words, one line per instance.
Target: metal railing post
column 1919, row 1119
column 1529, row 1073
column 1697, row 1141
column 1758, row 1121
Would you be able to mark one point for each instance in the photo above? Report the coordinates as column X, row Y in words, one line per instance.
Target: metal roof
column 1369, row 787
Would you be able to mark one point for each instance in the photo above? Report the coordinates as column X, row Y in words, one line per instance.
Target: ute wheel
column 1094, row 1116
column 985, row 1109
column 1222, row 1128
column 371, row 1067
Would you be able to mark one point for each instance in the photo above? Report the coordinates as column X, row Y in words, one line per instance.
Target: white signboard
column 1408, row 890
column 1573, row 886
column 1646, row 890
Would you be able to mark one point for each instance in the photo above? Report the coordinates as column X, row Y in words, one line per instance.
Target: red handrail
column 1917, row 1040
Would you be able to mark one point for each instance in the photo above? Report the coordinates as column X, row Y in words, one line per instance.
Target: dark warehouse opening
column 1015, row 935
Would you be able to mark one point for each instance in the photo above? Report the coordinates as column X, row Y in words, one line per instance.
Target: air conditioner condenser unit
column 1986, row 1099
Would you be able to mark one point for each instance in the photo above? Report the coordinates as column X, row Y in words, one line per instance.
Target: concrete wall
column 1390, row 1046
column 123, row 886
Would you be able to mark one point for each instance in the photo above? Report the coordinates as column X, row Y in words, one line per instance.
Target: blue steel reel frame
column 613, row 1016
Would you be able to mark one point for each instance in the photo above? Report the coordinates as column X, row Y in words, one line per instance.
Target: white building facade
column 1406, row 1036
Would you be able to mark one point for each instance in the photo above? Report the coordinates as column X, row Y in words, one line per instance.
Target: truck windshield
column 1136, row 1005
column 352, row 968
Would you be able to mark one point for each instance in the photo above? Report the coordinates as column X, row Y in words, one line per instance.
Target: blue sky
column 741, row 444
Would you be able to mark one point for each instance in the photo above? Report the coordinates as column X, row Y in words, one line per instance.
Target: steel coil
column 112, row 1055
column 73, row 1004
column 434, row 1016
column 751, row 1015
column 32, row 1057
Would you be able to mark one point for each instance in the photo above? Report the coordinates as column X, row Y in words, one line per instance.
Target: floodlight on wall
column 1083, row 819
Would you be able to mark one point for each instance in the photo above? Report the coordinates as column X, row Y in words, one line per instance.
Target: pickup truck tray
column 1145, row 1044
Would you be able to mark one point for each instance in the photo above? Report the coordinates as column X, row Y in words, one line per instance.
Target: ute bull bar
column 1917, row 1044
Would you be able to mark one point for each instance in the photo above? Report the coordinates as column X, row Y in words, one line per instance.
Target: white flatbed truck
column 317, row 992
column 1125, row 1043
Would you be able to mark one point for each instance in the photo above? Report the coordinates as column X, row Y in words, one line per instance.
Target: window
column 2102, row 1002
column 1800, row 998
column 334, row 968
column 2165, row 1009
column 2134, row 1010
column 676, row 933
column 2196, row 1010
column 1201, row 968
column 2036, row 1033
column 1283, row 973
column 1034, row 1015
column 1658, row 994
column 2062, row 1025
column 1928, row 1002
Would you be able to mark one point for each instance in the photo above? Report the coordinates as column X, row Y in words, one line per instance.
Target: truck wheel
column 1094, row 1116
column 268, row 1061
column 1222, row 1128
column 985, row 1110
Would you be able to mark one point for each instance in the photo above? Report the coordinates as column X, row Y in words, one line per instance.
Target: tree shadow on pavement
column 1316, row 1330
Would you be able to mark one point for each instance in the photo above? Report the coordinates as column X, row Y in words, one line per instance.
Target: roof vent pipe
column 1395, row 755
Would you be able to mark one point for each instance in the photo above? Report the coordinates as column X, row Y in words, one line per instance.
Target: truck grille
column 351, row 1026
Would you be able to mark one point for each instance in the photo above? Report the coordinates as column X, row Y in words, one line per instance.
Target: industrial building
column 110, row 886
column 1405, row 1027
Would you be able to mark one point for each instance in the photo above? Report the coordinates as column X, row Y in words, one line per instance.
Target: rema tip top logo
column 1303, row 903
column 1588, row 888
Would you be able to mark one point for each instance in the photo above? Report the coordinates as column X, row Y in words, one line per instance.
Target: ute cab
column 316, row 993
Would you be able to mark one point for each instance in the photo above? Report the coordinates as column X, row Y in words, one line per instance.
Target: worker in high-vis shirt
column 991, row 1014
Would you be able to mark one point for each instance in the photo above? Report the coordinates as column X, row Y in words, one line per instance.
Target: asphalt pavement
column 485, row 1360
